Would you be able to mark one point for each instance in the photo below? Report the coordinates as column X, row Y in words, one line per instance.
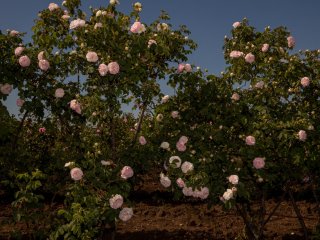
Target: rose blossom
column 77, row 23
column 151, row 42
column 180, row 183
column 75, row 105
column 174, row 114
column 258, row 162
column 183, row 139
column 113, row 68
column 65, row 16
column 291, row 41
column 227, row 195
column 126, row 214
column 187, row 191
column 13, row 33
column 76, row 174
column 53, row 6
column 165, row 98
column 204, row 193
column 114, row 2
column 175, row 160
column 165, row 181
column 187, row 167
column 181, row 147
column 18, row 51
column 234, row 179
column 24, row 61
column 265, row 47
column 41, row 55
column 126, row 172
column 44, row 65
column 92, row 56
column 165, row 145
column 116, row 201
column 250, row 140
column 98, row 25
column 188, row 67
column 180, row 68
column 305, row 82
column 19, row 102
column 103, row 69
column 42, row 130
column 236, row 54
column 59, row 93
column 249, row 58
column 159, row 117
column 6, row 88
column 137, row 27
column 142, row 140
column 162, row 26
column 236, row 24
column 302, row 135
column 235, row 97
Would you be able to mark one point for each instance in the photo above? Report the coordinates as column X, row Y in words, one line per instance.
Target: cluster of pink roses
column 112, row 68
column 181, row 144
column 184, row 68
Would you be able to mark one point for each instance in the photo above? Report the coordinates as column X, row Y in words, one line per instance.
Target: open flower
column 116, row 201
column 236, row 54
column 113, row 68
column 187, row 167
column 236, row 24
column 265, row 47
column 126, row 172
column 126, row 214
column 142, row 140
column 305, row 82
column 53, row 6
column 75, row 106
column 103, row 69
column 138, row 27
column 24, row 61
column 59, row 93
column 291, row 41
column 176, row 161
column 6, row 88
column 76, row 174
column 302, row 135
column 92, row 57
column 44, row 65
column 165, row 181
column 250, row 140
column 234, row 179
column 227, row 195
column 18, row 51
column 258, row 162
column 249, row 58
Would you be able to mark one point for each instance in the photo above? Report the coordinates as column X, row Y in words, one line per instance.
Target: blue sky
column 208, row 20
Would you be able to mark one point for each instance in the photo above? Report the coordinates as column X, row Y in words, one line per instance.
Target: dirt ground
column 156, row 216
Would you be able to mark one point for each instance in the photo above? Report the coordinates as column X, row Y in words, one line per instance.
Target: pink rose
column 235, row 97
column 19, row 102
column 6, row 88
column 188, row 67
column 103, row 69
column 250, row 140
column 126, row 214
column 291, row 42
column 187, row 167
column 305, row 82
column 65, row 16
column 187, row 191
column 180, row 68
column 116, row 201
column 176, row 161
column 174, row 114
column 126, row 172
column 181, row 146
column 77, row 23
column 302, row 135
column 42, row 130
column 113, row 68
column 165, row 181
column 14, row 33
column 142, row 140
column 234, row 179
column 236, row 24
column 53, row 6
column 180, row 183
column 249, row 58
column 75, row 106
column 59, row 93
column 265, row 47
column 76, row 174
column 98, row 25
column 44, row 65
column 204, row 193
column 41, row 55
column 24, row 61
column 183, row 139
column 227, row 195
column 258, row 163
column 236, row 54
column 92, row 57
column 137, row 27
column 18, row 51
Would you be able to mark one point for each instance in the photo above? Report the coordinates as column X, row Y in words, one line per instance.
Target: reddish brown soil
column 156, row 216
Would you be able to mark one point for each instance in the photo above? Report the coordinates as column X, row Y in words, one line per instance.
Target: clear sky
column 208, row 20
